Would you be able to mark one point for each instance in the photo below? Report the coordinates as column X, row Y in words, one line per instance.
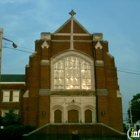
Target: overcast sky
column 118, row 20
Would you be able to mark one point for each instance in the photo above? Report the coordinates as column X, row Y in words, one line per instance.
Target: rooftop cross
column 72, row 13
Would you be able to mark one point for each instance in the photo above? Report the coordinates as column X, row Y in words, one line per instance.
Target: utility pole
column 1, row 36
column 130, row 114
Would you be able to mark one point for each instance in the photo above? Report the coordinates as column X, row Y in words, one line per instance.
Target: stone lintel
column 99, row 63
column 73, row 92
column 45, row 62
column 102, row 92
column 44, row 91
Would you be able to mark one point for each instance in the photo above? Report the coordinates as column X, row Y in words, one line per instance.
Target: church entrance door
column 73, row 116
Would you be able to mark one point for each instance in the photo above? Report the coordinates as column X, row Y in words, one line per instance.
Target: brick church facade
column 71, row 78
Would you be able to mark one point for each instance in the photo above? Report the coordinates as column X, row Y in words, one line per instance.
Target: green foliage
column 1, row 118
column 11, row 118
column 125, row 128
column 13, row 130
column 135, row 108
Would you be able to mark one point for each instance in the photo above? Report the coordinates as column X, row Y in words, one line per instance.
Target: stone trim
column 109, row 55
column 66, row 103
column 12, row 83
column 46, row 35
column 44, row 91
column 26, row 94
column 102, row 91
column 33, row 54
column 97, row 37
column 69, row 20
column 73, row 92
column 119, row 94
column 98, row 45
column 45, row 62
column 99, row 63
column 45, row 44
column 68, row 34
column 27, row 65
column 73, row 41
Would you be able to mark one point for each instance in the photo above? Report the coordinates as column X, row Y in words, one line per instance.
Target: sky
column 118, row 20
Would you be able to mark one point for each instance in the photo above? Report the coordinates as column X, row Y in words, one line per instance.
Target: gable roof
column 66, row 27
column 12, row 78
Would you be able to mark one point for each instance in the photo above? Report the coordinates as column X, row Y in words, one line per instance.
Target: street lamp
column 14, row 44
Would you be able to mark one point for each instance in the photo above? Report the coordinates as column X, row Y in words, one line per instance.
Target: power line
column 10, row 45
column 18, row 50
column 119, row 70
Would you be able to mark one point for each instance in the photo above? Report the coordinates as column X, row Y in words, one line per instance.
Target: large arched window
column 71, row 71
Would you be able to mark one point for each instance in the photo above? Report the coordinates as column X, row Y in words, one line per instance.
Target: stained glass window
column 72, row 73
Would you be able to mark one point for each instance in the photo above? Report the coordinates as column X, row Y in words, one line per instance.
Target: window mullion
column 64, row 72
column 11, row 96
column 80, row 78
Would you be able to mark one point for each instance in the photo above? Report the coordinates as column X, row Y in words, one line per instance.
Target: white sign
column 131, row 133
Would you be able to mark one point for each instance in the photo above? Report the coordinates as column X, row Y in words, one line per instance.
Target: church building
column 71, row 78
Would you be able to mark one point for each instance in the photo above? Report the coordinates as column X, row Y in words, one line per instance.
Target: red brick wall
column 11, row 105
column 38, row 77
column 44, row 110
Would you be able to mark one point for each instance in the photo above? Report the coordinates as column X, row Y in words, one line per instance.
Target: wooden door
column 57, row 116
column 88, row 116
column 73, row 116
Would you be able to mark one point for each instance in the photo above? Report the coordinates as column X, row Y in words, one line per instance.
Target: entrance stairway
column 74, row 131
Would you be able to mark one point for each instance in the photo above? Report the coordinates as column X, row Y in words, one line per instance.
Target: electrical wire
column 119, row 70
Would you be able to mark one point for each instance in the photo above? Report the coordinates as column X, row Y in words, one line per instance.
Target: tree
column 12, row 127
column 135, row 108
column 11, row 118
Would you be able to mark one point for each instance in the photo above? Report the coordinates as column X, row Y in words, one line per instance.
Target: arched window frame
column 80, row 55
column 93, row 110
column 54, row 108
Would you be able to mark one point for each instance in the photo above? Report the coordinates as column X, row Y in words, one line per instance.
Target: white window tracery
column 72, row 72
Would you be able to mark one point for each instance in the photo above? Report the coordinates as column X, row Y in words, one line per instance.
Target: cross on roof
column 72, row 13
